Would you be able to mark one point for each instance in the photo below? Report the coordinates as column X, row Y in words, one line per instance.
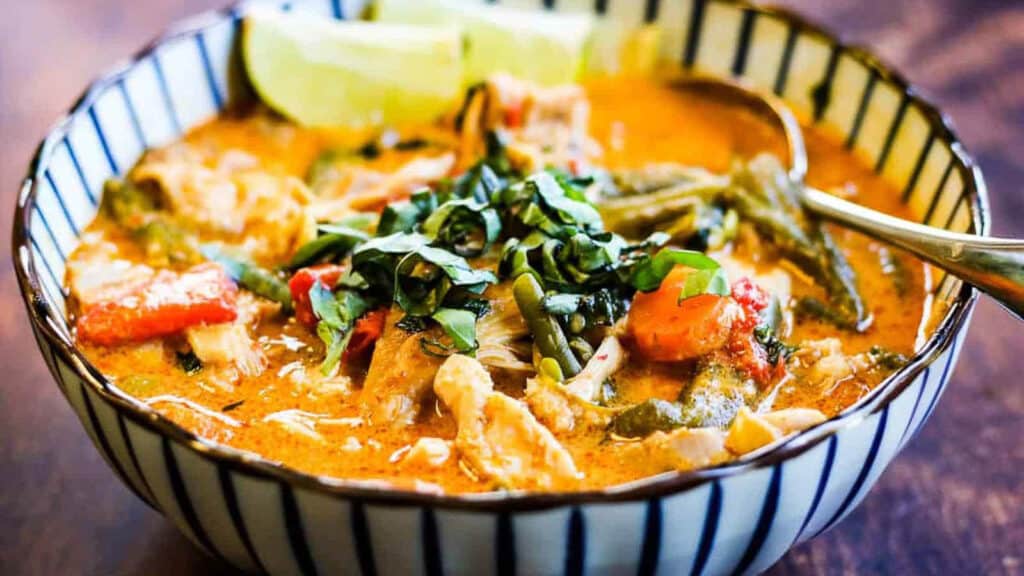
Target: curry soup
column 550, row 289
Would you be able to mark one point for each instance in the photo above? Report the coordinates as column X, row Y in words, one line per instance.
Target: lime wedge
column 320, row 72
column 545, row 47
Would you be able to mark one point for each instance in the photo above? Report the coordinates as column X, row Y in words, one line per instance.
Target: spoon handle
column 993, row 265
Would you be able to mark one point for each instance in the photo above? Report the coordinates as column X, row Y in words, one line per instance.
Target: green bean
column 252, row 277
column 715, row 396
column 549, row 368
column 894, row 268
column 651, row 415
column 165, row 243
column 887, row 359
column 636, row 215
column 125, row 202
column 816, row 254
column 547, row 333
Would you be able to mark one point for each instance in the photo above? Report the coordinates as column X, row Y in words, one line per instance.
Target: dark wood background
column 952, row 503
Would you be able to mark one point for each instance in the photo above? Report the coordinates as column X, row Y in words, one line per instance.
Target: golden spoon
column 993, row 265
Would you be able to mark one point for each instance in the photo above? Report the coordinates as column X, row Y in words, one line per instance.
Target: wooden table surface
column 952, row 503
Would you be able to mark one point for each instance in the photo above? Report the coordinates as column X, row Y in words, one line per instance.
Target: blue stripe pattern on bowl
column 735, row 519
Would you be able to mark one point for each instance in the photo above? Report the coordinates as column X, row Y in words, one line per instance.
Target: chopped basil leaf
column 189, row 362
column 460, row 326
column 649, row 273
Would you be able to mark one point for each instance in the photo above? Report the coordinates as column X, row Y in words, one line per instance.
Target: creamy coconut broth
column 197, row 291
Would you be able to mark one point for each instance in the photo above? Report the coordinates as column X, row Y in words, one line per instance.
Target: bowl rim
column 48, row 321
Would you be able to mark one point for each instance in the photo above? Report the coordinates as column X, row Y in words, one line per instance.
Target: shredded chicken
column 686, row 448
column 427, row 452
column 821, row 364
column 267, row 211
column 562, row 410
column 226, row 345
column 359, row 189
column 497, row 435
column 400, row 375
column 547, row 125
column 96, row 272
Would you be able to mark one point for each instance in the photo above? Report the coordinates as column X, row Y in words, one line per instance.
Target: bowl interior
column 193, row 72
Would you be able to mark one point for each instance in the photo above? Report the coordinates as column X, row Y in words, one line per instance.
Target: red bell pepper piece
column 165, row 305
column 301, row 283
column 366, row 332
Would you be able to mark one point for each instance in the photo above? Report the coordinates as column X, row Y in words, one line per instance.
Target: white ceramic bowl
column 736, row 518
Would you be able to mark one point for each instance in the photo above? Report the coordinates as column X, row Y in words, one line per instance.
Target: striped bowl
column 736, row 518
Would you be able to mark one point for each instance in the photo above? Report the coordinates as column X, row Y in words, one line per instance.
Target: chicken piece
column 790, row 420
column 400, row 375
column 355, row 188
column 276, row 223
column 547, row 125
column 821, row 364
column 226, row 345
column 265, row 209
column 228, row 348
column 203, row 197
column 561, row 409
column 96, row 273
column 427, row 452
column 686, row 448
column 497, row 435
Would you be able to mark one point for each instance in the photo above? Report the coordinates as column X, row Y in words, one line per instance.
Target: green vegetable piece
column 125, row 202
column 648, row 274
column 335, row 242
column 337, row 312
column 257, row 280
column 398, row 217
column 550, row 369
column 424, row 277
column 465, row 225
column 810, row 307
column 188, row 362
column 166, row 243
column 650, row 416
column 547, row 334
column 895, row 270
column 570, row 211
column 479, row 182
column 707, row 281
column 763, row 196
column 887, row 359
column 460, row 326
column 418, row 276
column 715, row 395
column 671, row 208
column 582, row 349
column 774, row 348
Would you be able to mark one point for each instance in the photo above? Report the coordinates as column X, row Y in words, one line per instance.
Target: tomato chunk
column 665, row 329
column 165, row 305
column 743, row 348
column 365, row 333
column 303, row 280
